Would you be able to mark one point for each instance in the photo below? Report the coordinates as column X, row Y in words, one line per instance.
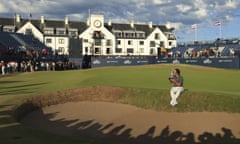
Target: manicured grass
column 208, row 89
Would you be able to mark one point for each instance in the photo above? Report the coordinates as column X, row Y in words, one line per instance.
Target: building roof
column 82, row 26
column 137, row 27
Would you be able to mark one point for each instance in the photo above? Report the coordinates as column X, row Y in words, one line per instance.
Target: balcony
column 98, row 35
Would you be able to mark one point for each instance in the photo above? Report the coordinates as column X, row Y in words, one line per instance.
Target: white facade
column 100, row 38
column 29, row 28
column 97, row 40
column 58, row 44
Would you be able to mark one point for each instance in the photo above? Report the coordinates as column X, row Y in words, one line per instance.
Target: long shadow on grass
column 8, row 82
column 19, row 89
column 118, row 134
column 5, row 118
column 3, row 110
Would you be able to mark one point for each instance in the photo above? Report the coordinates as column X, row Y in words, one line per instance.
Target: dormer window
column 118, row 34
column 72, row 32
column 171, row 36
column 28, row 31
column 129, row 34
column 48, row 31
column 60, row 31
column 9, row 28
column 140, row 34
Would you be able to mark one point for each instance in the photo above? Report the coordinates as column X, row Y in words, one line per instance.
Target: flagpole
column 219, row 23
column 220, row 31
column 89, row 14
column 14, row 19
column 195, row 27
column 196, row 34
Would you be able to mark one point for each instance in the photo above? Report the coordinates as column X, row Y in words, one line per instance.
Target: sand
column 121, row 123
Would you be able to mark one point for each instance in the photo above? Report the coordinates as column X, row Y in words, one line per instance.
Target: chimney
column 42, row 19
column 132, row 24
column 88, row 22
column 109, row 22
column 150, row 24
column 18, row 18
column 168, row 25
column 66, row 20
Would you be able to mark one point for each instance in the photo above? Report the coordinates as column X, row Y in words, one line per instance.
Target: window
column 132, row 35
column 141, row 50
column 60, row 31
column 118, row 50
column 61, row 49
column 129, row 34
column 109, row 42
column 61, row 41
column 171, row 37
column 129, row 50
column 85, row 40
column 140, row 35
column 108, row 51
column 98, row 42
column 48, row 31
column 28, row 31
column 151, row 51
column 118, row 34
column 98, row 35
column 97, row 50
column 73, row 32
column 170, row 43
column 161, row 44
column 152, row 43
column 130, row 42
column 157, row 36
column 48, row 40
column 126, row 35
column 9, row 28
column 141, row 42
column 119, row 42
column 86, row 49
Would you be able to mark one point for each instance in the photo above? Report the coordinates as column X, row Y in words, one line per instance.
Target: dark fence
column 226, row 62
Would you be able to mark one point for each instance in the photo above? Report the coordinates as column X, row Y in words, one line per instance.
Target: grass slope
column 208, row 89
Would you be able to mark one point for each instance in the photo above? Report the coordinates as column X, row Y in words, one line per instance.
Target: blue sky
column 180, row 14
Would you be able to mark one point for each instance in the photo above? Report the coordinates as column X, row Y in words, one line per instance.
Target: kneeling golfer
column 177, row 80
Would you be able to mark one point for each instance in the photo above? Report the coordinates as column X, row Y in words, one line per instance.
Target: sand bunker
column 105, row 121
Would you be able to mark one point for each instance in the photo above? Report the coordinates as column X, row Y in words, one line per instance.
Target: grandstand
column 217, row 48
column 20, row 42
column 7, row 41
column 15, row 45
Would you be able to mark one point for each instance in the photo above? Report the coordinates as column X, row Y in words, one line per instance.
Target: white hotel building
column 94, row 37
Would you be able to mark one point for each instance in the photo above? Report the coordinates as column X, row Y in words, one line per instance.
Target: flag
column 194, row 26
column 217, row 22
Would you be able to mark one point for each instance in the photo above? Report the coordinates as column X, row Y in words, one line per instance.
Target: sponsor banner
column 191, row 61
column 99, row 62
column 221, row 62
column 233, row 63
column 162, row 60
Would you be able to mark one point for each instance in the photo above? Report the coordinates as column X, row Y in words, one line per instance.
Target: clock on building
column 97, row 23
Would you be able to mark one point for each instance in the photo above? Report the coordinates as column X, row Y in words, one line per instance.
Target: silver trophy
column 171, row 76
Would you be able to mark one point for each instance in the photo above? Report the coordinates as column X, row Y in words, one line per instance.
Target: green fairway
column 208, row 89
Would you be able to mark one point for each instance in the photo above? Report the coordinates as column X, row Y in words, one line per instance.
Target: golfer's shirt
column 179, row 80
